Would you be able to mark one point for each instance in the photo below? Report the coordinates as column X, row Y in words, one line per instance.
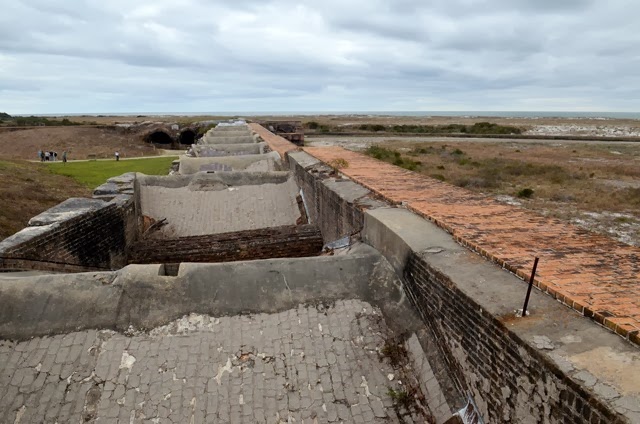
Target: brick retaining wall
column 512, row 380
column 95, row 240
column 280, row 242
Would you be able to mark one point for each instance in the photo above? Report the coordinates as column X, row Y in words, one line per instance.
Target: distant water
column 492, row 114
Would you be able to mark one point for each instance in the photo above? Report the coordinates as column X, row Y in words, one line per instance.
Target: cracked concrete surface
column 306, row 365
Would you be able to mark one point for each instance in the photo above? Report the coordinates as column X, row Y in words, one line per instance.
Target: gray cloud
column 198, row 55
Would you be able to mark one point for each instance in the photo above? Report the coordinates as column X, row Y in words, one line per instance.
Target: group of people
column 50, row 156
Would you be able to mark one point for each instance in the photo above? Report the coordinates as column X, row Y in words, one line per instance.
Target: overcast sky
column 324, row 55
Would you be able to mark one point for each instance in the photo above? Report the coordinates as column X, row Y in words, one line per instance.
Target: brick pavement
column 313, row 364
column 593, row 274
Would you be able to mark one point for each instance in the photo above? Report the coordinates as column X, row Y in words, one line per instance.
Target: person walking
column 41, row 155
column 117, row 156
column 64, row 157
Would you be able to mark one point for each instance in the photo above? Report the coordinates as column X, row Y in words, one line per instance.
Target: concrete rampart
column 230, row 128
column 140, row 296
column 216, row 181
column 209, row 150
column 248, row 163
column 228, row 138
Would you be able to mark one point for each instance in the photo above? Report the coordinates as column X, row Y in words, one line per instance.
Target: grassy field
column 27, row 189
column 93, row 173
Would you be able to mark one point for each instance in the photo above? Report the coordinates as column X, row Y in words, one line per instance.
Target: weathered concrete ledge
column 68, row 209
column 222, row 180
column 142, row 297
column 248, row 163
column 547, row 367
column 227, row 138
column 208, row 150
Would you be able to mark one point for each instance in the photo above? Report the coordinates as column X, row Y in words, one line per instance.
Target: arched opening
column 187, row 137
column 159, row 137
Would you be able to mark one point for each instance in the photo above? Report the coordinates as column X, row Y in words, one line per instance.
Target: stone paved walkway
column 593, row 274
column 308, row 365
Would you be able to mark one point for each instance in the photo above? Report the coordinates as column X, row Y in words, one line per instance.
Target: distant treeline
column 36, row 121
column 477, row 128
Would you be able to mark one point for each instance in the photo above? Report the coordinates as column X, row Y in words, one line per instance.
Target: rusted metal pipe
column 533, row 276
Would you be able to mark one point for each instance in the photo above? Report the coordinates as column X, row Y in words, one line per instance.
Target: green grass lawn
column 94, row 173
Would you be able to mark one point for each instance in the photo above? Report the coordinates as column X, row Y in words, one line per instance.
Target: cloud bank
column 283, row 55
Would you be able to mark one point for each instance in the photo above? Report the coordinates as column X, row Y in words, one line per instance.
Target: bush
column 339, row 164
column 490, row 128
column 392, row 156
column 312, row 125
column 525, row 193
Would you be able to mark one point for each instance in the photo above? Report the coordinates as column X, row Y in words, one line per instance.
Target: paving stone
column 262, row 368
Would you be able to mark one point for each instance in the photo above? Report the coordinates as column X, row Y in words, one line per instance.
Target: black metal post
column 526, row 299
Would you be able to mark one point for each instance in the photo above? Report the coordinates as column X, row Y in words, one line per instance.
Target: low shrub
column 526, row 193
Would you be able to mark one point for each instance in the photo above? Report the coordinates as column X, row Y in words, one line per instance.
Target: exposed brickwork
column 92, row 241
column 593, row 274
column 275, row 142
column 510, row 381
column 280, row 242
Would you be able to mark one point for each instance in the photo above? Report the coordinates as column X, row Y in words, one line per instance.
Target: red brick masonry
column 275, row 142
column 593, row 274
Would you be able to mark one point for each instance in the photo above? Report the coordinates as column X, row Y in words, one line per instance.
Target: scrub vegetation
column 478, row 128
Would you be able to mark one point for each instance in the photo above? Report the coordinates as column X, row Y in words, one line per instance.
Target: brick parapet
column 94, row 240
column 594, row 275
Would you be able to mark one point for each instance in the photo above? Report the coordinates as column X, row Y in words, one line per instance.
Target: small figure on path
column 64, row 157
column 117, row 156
column 41, row 155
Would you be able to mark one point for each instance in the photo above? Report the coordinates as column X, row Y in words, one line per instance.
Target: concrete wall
column 143, row 297
column 212, row 150
column 92, row 238
column 252, row 163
